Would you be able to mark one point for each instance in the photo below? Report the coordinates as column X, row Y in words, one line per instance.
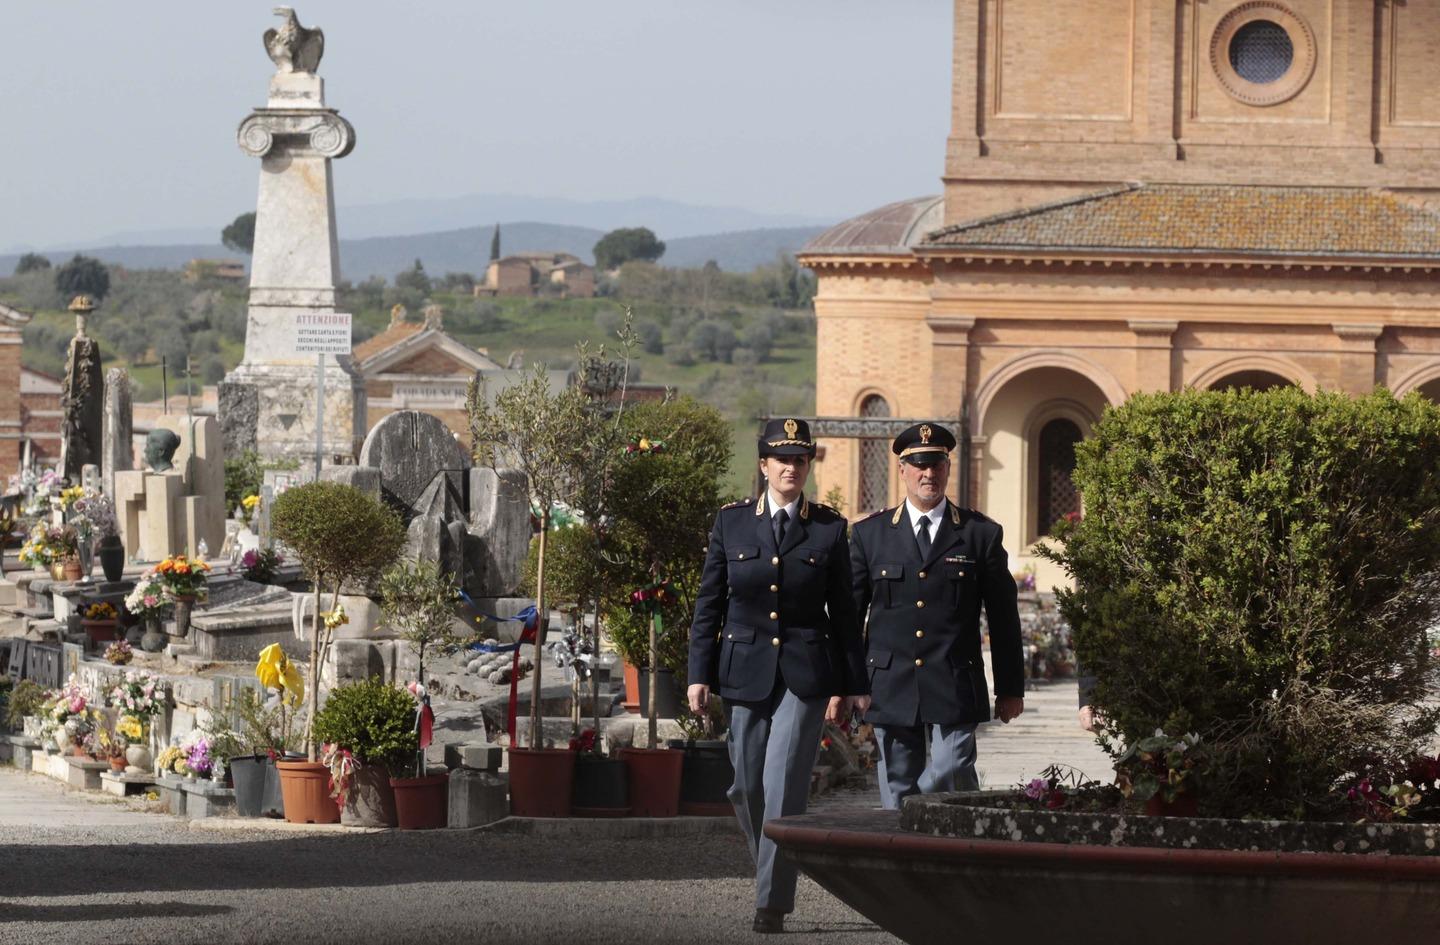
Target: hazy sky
column 121, row 117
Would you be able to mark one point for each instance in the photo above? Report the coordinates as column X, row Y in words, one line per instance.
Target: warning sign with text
column 322, row 333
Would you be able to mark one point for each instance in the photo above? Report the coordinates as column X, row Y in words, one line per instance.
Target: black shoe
column 769, row 921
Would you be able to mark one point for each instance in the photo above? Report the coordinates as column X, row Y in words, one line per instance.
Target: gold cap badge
column 925, row 433
column 791, row 427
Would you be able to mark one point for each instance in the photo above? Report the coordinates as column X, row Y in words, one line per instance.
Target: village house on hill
column 528, row 274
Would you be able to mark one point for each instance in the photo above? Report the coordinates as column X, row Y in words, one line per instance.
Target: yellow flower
column 130, row 727
column 250, row 501
column 336, row 618
column 276, row 671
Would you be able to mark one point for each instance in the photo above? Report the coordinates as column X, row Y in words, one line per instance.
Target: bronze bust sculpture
column 160, row 447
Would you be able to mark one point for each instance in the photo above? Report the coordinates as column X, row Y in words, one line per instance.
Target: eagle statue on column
column 292, row 47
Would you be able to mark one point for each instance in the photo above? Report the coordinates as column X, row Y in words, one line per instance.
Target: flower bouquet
column 1163, row 771
column 139, row 695
column 184, row 578
column 119, row 653
column 248, row 505
column 260, row 565
column 99, row 620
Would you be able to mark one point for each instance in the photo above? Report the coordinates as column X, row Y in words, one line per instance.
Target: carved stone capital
column 1358, row 332
column 1153, row 326
column 318, row 132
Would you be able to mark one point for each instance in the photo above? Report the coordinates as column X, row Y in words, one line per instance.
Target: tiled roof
column 1201, row 219
column 388, row 338
column 888, row 230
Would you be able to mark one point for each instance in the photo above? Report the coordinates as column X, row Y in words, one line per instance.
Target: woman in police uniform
column 775, row 633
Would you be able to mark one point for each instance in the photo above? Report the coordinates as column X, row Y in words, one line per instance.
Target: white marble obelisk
column 268, row 402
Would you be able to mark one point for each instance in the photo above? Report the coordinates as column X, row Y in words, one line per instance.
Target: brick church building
column 1138, row 195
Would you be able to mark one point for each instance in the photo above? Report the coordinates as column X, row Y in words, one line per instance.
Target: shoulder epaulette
column 736, row 505
column 870, row 516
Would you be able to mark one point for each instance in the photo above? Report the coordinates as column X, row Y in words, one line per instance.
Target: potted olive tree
column 343, row 537
column 539, row 432
column 418, row 600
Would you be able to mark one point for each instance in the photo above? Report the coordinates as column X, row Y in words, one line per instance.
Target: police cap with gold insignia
column 924, row 444
column 786, row 436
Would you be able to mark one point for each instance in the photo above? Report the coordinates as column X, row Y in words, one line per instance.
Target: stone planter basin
column 934, row 874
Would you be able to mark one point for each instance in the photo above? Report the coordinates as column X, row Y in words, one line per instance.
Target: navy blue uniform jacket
column 763, row 609
column 923, row 634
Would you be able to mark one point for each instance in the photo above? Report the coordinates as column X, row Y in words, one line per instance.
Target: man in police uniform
column 776, row 634
column 921, row 572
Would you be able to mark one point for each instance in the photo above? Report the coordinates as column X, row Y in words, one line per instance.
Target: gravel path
column 78, row 870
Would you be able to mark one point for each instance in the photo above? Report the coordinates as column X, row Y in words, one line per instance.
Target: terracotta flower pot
column 99, row 631
column 71, row 570
column 117, row 764
column 541, row 781
column 654, row 781
column 305, row 785
column 422, row 803
column 632, row 689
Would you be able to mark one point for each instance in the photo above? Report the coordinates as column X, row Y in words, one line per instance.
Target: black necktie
column 922, row 537
column 780, row 519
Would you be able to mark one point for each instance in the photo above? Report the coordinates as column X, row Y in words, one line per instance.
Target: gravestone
column 82, row 397
column 90, row 477
column 411, row 449
column 117, row 449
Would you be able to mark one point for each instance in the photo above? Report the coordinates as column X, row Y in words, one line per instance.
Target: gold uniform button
column 922, row 574
column 775, row 560
column 774, row 641
column 919, row 603
column 919, row 662
column 741, row 556
column 919, row 634
column 883, row 572
column 774, row 587
column 774, row 615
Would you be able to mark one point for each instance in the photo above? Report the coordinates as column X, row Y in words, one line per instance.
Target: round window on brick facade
column 1262, row 53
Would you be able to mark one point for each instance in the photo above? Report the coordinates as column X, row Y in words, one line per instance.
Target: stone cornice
column 13, row 316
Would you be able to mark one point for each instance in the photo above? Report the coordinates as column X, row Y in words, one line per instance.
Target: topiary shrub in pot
column 367, row 730
column 343, row 537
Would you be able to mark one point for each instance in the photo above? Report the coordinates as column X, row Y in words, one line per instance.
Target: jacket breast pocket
column 741, row 560
column 961, row 579
column 886, row 578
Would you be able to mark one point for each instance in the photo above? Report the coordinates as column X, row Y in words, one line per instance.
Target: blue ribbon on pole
column 525, row 617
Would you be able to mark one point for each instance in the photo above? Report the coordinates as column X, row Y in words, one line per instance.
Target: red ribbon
column 526, row 636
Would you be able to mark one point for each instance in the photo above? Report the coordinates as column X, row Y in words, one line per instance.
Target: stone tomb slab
column 84, row 774
column 125, row 785
column 204, row 798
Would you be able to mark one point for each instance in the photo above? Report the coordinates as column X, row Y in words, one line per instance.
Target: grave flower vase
column 112, row 557
column 154, row 639
column 541, row 782
column 305, row 787
column 138, row 760
column 654, row 781
column 369, row 799
column 422, row 803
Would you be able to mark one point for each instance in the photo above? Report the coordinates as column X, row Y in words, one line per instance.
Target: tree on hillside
column 414, row 278
column 240, row 234
column 495, row 244
column 83, row 275
column 623, row 245
column 31, row 262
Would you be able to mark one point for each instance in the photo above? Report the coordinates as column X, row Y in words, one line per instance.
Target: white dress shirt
column 935, row 515
column 775, row 510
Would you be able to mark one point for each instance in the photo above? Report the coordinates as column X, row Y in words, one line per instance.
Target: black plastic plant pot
column 706, row 777
column 602, row 787
column 257, row 786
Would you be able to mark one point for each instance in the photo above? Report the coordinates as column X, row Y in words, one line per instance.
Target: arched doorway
column 1030, row 427
column 1256, row 380
column 1431, row 389
column 874, row 486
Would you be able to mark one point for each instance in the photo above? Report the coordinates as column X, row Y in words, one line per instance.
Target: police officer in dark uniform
column 775, row 633
column 922, row 571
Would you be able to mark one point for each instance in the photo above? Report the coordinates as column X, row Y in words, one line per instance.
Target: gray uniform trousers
column 773, row 748
column 903, row 770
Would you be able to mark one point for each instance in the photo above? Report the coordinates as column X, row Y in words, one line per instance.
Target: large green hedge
column 1260, row 569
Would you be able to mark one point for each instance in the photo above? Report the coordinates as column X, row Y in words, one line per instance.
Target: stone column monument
column 118, row 448
column 82, row 397
column 268, row 402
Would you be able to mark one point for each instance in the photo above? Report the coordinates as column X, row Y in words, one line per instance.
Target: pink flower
column 1036, row 789
column 151, row 600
